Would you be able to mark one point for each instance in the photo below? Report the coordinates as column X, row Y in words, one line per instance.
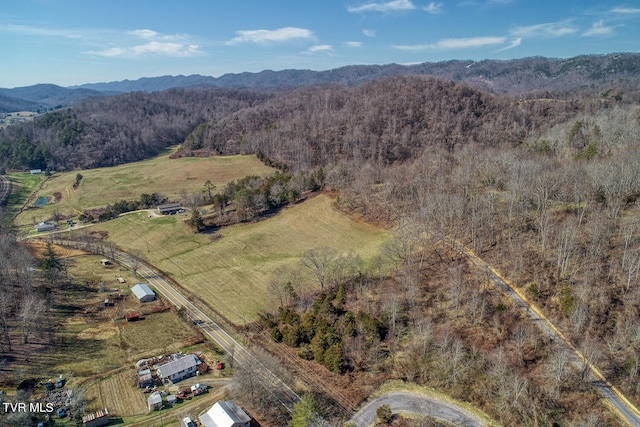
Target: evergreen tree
column 196, row 222
column 51, row 264
column 305, row 413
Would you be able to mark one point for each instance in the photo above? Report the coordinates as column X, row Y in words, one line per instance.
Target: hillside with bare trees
column 545, row 187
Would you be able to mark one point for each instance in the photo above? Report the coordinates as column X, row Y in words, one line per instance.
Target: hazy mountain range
column 512, row 76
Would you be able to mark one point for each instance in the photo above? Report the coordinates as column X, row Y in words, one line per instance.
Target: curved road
column 405, row 402
column 287, row 397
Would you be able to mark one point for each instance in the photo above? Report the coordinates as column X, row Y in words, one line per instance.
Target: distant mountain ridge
column 507, row 77
column 511, row 76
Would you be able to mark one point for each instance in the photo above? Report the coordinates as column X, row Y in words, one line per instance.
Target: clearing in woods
column 232, row 274
column 169, row 177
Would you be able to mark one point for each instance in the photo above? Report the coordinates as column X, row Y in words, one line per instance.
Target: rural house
column 143, row 292
column 179, row 369
column 155, row 401
column 96, row 419
column 225, row 414
column 169, row 208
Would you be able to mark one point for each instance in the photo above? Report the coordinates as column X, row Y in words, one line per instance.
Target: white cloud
column 353, row 44
column 433, row 8
column 551, row 29
column 626, row 10
column 320, row 48
column 457, row 43
column 515, row 42
column 388, row 6
column 39, row 31
column 271, row 36
column 154, row 44
column 598, row 29
column 369, row 33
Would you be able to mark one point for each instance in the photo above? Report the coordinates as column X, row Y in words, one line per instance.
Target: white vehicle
column 188, row 422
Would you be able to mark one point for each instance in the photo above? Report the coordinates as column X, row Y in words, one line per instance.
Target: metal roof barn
column 143, row 292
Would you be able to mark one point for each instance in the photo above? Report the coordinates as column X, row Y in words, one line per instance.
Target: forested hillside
column 114, row 130
column 543, row 186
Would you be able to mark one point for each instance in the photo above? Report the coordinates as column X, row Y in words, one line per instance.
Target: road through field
column 614, row 398
column 240, row 355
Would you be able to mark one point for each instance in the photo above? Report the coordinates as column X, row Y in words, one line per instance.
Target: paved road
column 616, row 400
column 405, row 402
column 281, row 391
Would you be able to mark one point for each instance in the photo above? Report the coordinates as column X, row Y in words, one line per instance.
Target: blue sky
column 68, row 42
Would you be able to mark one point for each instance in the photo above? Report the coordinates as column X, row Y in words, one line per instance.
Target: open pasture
column 232, row 274
column 169, row 177
column 98, row 338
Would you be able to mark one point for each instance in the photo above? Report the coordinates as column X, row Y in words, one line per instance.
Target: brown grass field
column 232, row 274
column 87, row 331
column 168, row 177
column 118, row 394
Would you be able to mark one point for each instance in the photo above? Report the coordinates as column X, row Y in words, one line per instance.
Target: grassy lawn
column 233, row 273
column 168, row 177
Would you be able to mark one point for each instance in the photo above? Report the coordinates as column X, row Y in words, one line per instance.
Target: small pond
column 41, row 201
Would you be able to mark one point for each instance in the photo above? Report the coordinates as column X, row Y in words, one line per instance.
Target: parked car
column 188, row 422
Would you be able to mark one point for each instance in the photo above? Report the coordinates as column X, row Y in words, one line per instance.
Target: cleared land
column 119, row 395
column 97, row 338
column 232, row 274
column 168, row 177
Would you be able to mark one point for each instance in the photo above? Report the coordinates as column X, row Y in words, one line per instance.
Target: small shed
column 143, row 292
column 45, row 226
column 121, row 279
column 155, row 401
column 172, row 399
column 144, row 378
column 105, row 262
column 96, row 419
column 132, row 316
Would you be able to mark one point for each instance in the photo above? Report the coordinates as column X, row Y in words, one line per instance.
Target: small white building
column 45, row 226
column 179, row 369
column 155, row 401
column 143, row 292
column 225, row 414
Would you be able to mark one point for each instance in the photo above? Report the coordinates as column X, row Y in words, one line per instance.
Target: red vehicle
column 183, row 396
column 219, row 365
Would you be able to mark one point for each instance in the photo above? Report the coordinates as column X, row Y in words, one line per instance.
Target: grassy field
column 168, row 177
column 23, row 184
column 233, row 273
column 99, row 341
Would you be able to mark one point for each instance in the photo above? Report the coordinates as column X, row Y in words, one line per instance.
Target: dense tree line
column 118, row 129
column 381, row 122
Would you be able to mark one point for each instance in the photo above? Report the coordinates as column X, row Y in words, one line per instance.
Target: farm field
column 232, row 274
column 119, row 395
column 23, row 185
column 98, row 340
column 168, row 177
